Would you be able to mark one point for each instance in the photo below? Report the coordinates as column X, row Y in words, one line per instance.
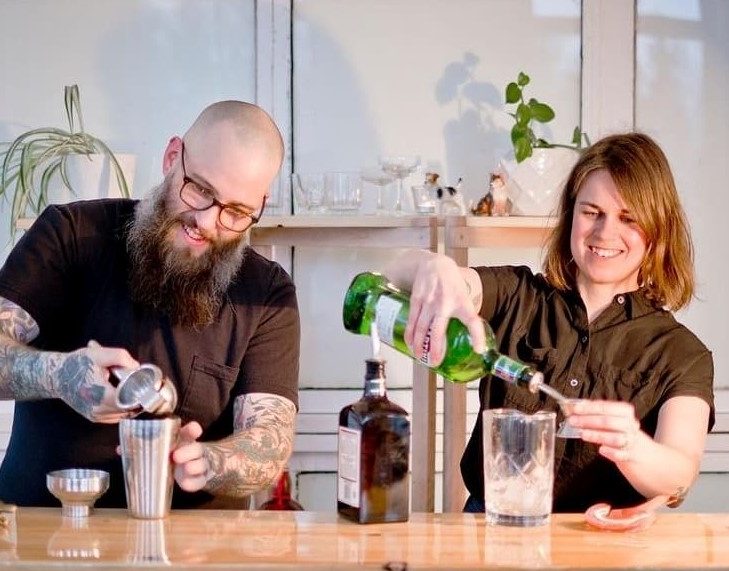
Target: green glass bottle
column 372, row 299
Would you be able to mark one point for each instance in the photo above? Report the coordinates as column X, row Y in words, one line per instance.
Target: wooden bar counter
column 40, row 538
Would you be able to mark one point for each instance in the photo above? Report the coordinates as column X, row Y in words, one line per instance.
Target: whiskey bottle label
column 387, row 310
column 348, row 485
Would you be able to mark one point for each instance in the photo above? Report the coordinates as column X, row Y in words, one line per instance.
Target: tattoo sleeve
column 253, row 456
column 29, row 374
column 17, row 323
column 24, row 372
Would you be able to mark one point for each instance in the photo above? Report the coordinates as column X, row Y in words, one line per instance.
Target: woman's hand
column 441, row 290
column 611, row 424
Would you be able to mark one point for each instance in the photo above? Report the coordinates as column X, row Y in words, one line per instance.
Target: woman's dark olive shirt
column 632, row 352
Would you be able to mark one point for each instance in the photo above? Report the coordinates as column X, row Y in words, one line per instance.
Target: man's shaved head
column 244, row 123
column 184, row 258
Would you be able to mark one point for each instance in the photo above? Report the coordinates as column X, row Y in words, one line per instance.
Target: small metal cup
column 146, row 446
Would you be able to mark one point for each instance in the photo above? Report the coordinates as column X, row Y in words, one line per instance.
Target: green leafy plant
column 36, row 157
column 522, row 134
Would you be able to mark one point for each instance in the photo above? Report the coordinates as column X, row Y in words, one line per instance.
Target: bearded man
column 167, row 280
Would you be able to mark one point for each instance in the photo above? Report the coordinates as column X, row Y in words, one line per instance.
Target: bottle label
column 508, row 369
column 348, row 486
column 387, row 310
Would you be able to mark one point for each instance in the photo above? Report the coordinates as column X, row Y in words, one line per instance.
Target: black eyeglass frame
column 254, row 219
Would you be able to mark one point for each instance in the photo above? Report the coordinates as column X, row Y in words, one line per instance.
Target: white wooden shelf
column 372, row 221
column 345, row 232
column 463, row 232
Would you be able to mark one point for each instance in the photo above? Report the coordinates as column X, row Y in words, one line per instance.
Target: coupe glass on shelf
column 379, row 178
column 400, row 167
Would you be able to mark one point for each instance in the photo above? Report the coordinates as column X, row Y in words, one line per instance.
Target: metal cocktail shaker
column 146, row 446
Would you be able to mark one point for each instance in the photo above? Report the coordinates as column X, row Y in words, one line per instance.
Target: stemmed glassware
column 400, row 167
column 380, row 179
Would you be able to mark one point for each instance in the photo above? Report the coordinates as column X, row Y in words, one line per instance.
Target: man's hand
column 244, row 462
column 191, row 466
column 81, row 380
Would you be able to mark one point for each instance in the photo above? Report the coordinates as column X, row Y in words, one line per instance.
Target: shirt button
column 574, row 383
column 621, row 299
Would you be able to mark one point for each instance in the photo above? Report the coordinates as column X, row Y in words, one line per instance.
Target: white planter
column 535, row 184
column 93, row 177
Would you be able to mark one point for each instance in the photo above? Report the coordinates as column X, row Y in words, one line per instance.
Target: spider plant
column 37, row 157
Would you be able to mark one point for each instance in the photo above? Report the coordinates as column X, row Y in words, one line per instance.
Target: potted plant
column 38, row 157
column 541, row 169
column 526, row 113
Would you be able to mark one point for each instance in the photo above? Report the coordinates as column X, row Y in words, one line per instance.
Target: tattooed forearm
column 254, row 455
column 28, row 374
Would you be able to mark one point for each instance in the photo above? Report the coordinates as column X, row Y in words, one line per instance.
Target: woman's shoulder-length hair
column 643, row 176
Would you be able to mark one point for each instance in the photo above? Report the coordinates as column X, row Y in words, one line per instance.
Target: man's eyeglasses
column 231, row 217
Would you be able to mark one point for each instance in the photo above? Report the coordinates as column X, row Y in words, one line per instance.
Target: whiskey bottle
column 281, row 499
column 371, row 299
column 373, row 454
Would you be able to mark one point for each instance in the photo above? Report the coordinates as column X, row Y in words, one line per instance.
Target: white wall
column 682, row 81
column 144, row 69
column 414, row 78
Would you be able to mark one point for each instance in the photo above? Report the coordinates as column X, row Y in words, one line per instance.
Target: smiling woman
column 631, row 177
column 596, row 325
column 607, row 244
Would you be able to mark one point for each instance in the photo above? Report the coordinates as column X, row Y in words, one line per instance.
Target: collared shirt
column 631, row 352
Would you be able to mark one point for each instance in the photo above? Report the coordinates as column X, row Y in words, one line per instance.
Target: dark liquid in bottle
column 377, row 432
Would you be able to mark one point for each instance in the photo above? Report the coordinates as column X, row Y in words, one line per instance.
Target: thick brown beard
column 189, row 290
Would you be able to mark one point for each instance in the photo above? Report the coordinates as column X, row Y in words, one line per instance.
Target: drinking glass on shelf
column 400, row 167
column 343, row 191
column 309, row 193
column 379, row 178
column 424, row 199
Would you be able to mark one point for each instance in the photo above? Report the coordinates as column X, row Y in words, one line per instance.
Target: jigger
column 145, row 387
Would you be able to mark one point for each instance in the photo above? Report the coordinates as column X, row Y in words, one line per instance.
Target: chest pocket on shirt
column 533, row 349
column 542, row 359
column 207, row 391
column 614, row 383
